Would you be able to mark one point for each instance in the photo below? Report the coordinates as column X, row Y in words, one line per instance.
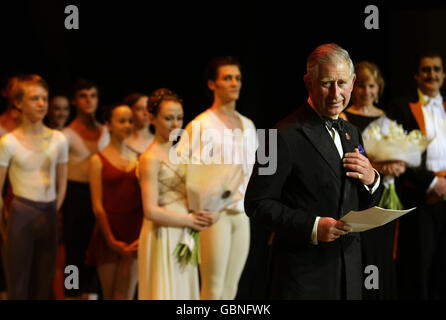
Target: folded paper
column 371, row 218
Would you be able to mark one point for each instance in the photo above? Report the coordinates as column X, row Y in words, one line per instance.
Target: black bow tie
column 338, row 124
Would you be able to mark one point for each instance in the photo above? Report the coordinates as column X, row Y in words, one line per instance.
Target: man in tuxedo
column 422, row 234
column 321, row 175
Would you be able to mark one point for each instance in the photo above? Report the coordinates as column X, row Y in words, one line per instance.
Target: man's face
column 86, row 100
column 228, row 83
column 430, row 75
column 34, row 103
column 330, row 91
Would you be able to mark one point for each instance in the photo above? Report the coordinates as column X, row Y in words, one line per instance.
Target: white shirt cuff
column 375, row 186
column 432, row 185
column 314, row 232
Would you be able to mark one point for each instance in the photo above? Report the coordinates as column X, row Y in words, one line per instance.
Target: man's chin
column 331, row 115
column 433, row 87
column 334, row 112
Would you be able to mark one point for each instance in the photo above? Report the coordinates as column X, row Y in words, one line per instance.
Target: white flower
column 396, row 132
column 375, row 132
column 415, row 136
column 395, row 145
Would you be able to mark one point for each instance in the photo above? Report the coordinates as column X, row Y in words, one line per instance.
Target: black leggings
column 31, row 248
column 78, row 224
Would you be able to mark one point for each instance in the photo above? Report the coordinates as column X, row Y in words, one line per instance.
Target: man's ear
column 211, row 85
column 353, row 82
column 416, row 77
column 308, row 82
column 17, row 104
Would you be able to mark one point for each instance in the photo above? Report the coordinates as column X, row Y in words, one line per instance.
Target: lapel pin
column 347, row 136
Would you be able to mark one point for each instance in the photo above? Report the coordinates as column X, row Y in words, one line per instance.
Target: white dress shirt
column 435, row 121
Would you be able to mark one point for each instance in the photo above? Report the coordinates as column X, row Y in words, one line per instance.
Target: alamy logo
column 211, row 146
column 72, row 20
column 372, row 280
column 372, row 20
column 72, row 278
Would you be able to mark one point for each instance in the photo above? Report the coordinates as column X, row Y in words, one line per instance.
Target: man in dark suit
column 321, row 175
column 422, row 234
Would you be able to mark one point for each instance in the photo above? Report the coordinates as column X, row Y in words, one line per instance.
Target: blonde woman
column 378, row 245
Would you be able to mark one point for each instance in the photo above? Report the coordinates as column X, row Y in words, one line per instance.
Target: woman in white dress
column 161, row 275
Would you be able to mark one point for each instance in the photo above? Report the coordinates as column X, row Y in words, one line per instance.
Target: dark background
column 128, row 46
column 143, row 45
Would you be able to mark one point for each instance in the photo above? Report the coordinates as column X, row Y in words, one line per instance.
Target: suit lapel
column 417, row 112
column 318, row 135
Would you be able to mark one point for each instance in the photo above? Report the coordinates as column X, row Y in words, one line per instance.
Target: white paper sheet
column 371, row 218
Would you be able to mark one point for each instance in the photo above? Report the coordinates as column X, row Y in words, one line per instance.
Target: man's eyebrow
column 333, row 80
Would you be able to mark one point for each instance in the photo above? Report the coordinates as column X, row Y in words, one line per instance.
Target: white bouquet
column 210, row 187
column 385, row 140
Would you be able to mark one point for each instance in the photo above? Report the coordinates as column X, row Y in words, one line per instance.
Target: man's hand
column 438, row 192
column 440, row 187
column 360, row 167
column 390, row 168
column 329, row 229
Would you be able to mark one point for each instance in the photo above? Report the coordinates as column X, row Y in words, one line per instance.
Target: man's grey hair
column 327, row 53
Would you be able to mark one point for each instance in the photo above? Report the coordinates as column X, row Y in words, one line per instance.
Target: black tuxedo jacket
column 413, row 184
column 309, row 181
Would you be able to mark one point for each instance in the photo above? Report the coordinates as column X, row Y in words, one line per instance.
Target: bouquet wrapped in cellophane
column 389, row 198
column 385, row 140
column 209, row 187
column 188, row 250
